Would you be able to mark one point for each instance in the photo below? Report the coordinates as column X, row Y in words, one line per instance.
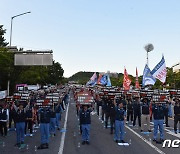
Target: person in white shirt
column 4, row 118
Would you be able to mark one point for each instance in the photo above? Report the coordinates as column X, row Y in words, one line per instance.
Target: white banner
column 3, row 94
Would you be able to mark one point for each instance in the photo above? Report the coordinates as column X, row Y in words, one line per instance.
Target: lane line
column 61, row 148
column 146, row 141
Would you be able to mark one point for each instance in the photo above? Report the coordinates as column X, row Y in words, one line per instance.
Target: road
column 68, row 140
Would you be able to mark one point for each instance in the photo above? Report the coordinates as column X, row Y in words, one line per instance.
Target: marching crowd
column 25, row 116
column 121, row 110
column 117, row 112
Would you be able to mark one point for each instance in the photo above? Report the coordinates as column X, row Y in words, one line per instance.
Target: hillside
column 83, row 77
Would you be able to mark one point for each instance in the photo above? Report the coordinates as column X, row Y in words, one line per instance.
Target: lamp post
column 149, row 47
column 8, row 84
column 12, row 23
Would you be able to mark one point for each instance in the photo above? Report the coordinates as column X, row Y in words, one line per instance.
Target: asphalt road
column 68, row 140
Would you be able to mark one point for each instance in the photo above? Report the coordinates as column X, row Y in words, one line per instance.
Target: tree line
column 25, row 74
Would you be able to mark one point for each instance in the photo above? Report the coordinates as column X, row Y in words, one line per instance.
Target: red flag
column 126, row 81
column 100, row 76
column 137, row 82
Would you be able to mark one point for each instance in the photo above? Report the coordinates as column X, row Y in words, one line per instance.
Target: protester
column 145, row 117
column 119, row 122
column 85, row 121
column 137, row 111
column 20, row 116
column 4, row 117
column 44, row 114
column 158, row 114
column 176, row 115
column 129, row 110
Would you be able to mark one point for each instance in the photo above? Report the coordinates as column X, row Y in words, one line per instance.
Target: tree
column 2, row 39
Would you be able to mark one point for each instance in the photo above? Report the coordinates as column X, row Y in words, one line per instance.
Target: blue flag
column 148, row 79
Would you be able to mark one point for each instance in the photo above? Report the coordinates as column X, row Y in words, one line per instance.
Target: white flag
column 159, row 71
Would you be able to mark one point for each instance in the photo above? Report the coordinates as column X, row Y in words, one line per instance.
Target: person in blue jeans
column 158, row 111
column 58, row 110
column 85, row 122
column 52, row 122
column 119, row 122
column 20, row 118
column 44, row 127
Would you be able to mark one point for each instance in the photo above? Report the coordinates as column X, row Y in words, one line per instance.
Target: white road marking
column 172, row 133
column 64, row 133
column 146, row 141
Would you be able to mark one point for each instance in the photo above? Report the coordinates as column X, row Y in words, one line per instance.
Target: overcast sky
column 97, row 35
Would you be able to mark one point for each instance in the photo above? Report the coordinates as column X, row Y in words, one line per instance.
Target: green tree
column 2, row 39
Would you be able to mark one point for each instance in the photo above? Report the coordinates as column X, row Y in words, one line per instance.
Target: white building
column 176, row 67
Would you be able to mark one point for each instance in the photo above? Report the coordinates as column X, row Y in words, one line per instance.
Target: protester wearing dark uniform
column 4, row 117
column 158, row 114
column 44, row 114
column 166, row 114
column 119, row 122
column 52, row 121
column 145, row 117
column 58, row 111
column 129, row 110
column 85, row 122
column 104, row 106
column 29, row 120
column 176, row 115
column 11, row 116
column 137, row 111
column 20, row 118
column 110, row 114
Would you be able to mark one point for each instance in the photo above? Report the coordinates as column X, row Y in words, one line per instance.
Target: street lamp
column 10, row 43
column 149, row 47
column 12, row 23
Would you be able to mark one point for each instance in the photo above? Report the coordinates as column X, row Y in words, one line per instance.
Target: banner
column 148, row 79
column 126, row 81
column 3, row 94
column 159, row 71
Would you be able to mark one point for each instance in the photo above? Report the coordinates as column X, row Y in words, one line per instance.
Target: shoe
column 58, row 129
column 175, row 132
column 117, row 141
column 162, row 140
column 141, row 130
column 167, row 126
column 17, row 144
column 154, row 140
column 122, row 141
column 87, row 142
column 84, row 142
column 22, row 142
column 149, row 130
column 40, row 147
column 31, row 135
column 54, row 134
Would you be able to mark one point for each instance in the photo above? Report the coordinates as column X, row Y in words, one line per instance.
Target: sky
column 97, row 35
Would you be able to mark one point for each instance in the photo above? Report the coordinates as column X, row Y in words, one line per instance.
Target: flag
column 104, row 80
column 148, row 79
column 137, row 82
column 99, row 79
column 159, row 71
column 92, row 81
column 108, row 81
column 126, row 80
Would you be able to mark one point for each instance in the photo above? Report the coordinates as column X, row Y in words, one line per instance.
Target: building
column 176, row 67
